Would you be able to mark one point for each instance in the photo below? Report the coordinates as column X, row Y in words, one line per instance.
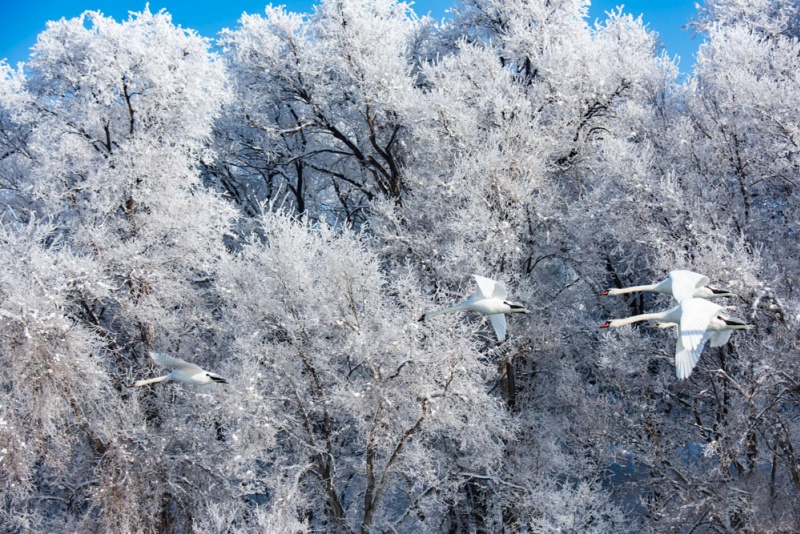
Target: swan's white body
column 680, row 284
column 182, row 371
column 698, row 321
column 489, row 300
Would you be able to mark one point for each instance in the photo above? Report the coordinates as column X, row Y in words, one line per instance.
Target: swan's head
column 421, row 318
column 605, row 324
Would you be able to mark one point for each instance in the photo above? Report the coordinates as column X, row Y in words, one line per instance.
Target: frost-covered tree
column 370, row 421
column 744, row 124
column 533, row 109
column 726, row 146
column 105, row 130
column 118, row 117
column 324, row 106
column 57, row 410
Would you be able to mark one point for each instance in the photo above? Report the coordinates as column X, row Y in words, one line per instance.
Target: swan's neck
column 139, row 383
column 622, row 290
column 457, row 307
column 616, row 323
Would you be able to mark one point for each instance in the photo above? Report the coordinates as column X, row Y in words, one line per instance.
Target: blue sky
column 22, row 21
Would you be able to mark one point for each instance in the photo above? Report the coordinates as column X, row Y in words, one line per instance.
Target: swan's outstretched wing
column 685, row 282
column 696, row 315
column 686, row 360
column 498, row 321
column 488, row 288
column 720, row 338
column 171, row 362
column 683, row 361
column 500, row 291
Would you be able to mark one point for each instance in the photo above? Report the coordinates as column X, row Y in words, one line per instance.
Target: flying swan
column 698, row 320
column 182, row 371
column 490, row 300
column 680, row 284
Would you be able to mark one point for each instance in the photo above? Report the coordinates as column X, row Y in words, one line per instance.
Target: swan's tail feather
column 140, row 383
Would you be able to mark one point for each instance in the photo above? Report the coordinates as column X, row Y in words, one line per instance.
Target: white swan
column 182, row 371
column 680, row 284
column 698, row 320
column 490, row 300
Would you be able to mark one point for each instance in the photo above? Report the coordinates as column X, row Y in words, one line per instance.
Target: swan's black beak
column 421, row 318
column 219, row 379
column 605, row 324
